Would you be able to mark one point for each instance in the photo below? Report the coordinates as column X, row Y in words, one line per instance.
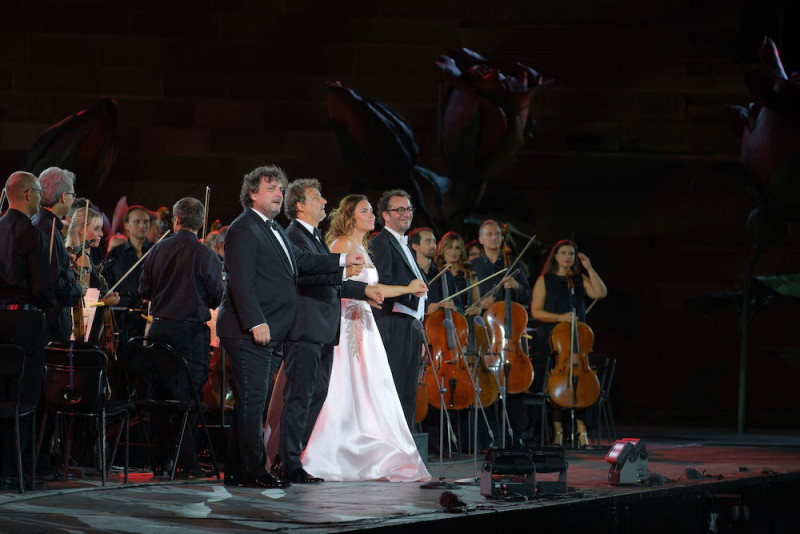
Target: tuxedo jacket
column 261, row 283
column 393, row 269
column 319, row 300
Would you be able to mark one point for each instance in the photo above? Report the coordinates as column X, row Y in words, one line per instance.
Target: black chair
column 603, row 415
column 76, row 385
column 12, row 363
column 146, row 361
column 537, row 394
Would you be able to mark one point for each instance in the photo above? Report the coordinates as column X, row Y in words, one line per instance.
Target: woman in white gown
column 361, row 432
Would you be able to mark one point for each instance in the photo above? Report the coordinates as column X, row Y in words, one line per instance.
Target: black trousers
column 403, row 345
column 307, row 367
column 193, row 342
column 252, row 370
column 26, row 329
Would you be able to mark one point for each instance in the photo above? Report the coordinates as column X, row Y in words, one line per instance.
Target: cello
column 572, row 383
column 478, row 345
column 507, row 321
column 451, row 367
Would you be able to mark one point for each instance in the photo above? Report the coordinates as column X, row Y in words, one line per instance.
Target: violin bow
column 591, row 306
column 85, row 227
column 2, row 199
column 140, row 260
column 479, row 282
column 52, row 236
column 493, row 290
column 205, row 212
column 440, row 273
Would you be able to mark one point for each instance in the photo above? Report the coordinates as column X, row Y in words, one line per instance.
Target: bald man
column 26, row 290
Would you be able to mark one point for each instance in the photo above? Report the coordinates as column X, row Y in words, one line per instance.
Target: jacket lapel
column 274, row 241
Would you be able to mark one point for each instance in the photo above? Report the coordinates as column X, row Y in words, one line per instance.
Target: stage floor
column 154, row 505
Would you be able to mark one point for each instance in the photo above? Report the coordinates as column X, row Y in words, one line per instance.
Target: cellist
column 489, row 262
column 552, row 304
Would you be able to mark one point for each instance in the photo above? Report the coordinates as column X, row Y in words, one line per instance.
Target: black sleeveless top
column 559, row 300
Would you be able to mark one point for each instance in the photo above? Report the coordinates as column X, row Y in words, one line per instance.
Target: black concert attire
column 262, row 268
column 558, row 299
column 308, row 357
column 397, row 266
column 436, row 290
column 26, row 290
column 182, row 280
column 68, row 291
column 515, row 404
column 128, row 313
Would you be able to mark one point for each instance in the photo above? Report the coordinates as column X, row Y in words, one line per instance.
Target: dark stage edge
column 760, row 475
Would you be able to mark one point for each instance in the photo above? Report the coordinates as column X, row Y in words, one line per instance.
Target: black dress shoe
column 232, row 480
column 268, row 480
column 276, row 466
column 300, row 476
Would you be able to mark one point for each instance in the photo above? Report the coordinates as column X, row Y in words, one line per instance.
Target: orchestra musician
column 490, row 262
column 81, row 239
column 59, row 192
column 553, row 303
column 182, row 279
column 119, row 261
column 26, row 289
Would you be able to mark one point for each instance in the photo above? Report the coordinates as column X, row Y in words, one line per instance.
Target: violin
column 82, row 272
column 451, row 367
column 572, row 383
column 507, row 320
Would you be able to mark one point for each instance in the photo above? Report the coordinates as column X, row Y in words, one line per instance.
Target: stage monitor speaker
column 513, row 472
column 628, row 459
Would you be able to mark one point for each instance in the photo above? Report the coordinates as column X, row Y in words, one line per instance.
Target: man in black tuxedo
column 308, row 355
column 396, row 266
column 258, row 309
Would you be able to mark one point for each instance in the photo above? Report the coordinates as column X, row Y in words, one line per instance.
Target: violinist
column 553, row 303
column 58, row 186
column 80, row 232
column 490, row 262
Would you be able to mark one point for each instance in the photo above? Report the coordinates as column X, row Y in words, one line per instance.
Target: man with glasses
column 396, row 266
column 26, row 289
column 58, row 187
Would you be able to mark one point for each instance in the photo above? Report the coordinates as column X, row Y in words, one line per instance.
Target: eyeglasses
column 402, row 211
column 40, row 191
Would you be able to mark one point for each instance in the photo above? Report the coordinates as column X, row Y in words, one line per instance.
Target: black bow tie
column 272, row 224
column 318, row 234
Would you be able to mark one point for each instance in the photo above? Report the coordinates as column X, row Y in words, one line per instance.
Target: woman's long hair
column 551, row 265
column 446, row 240
column 343, row 219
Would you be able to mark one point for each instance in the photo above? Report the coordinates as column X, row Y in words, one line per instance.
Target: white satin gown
column 361, row 432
